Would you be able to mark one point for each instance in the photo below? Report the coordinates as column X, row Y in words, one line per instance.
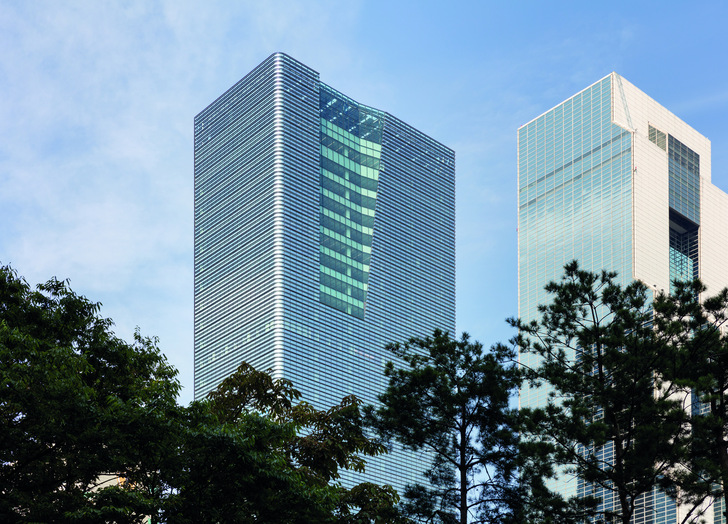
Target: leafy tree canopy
column 612, row 417
column 76, row 403
column 264, row 456
column 451, row 399
column 91, row 431
column 694, row 326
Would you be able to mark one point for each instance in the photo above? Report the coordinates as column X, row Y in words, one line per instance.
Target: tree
column 91, row 431
column 451, row 399
column 696, row 332
column 75, row 402
column 611, row 417
column 254, row 453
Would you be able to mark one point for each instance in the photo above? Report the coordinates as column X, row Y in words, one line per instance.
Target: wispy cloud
column 96, row 140
column 97, row 101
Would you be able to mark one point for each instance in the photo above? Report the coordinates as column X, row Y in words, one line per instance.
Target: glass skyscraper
column 324, row 229
column 614, row 180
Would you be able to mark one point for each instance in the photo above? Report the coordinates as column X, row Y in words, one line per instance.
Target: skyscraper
column 324, row 229
column 614, row 180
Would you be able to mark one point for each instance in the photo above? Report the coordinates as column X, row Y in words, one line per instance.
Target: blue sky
column 97, row 101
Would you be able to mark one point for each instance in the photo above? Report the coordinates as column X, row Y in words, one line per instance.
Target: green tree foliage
column 82, row 409
column 263, row 456
column 696, row 332
column 611, row 417
column 76, row 403
column 451, row 399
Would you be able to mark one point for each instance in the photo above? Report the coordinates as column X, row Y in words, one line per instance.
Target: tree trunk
column 720, row 412
column 463, row 469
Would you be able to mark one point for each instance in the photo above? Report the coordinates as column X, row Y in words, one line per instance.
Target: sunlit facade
column 614, row 180
column 324, row 229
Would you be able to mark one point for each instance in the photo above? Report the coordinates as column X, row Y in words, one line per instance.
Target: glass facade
column 683, row 250
column 576, row 201
column 657, row 137
column 324, row 229
column 575, row 196
column 351, row 148
column 684, row 169
column 718, row 517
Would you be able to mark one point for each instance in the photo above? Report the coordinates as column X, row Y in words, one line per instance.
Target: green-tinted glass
column 351, row 145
